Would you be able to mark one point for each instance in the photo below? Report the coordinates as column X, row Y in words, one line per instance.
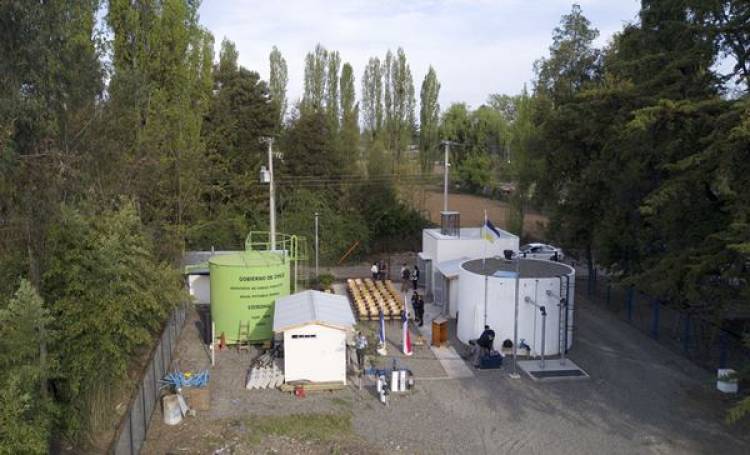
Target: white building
column 315, row 327
column 442, row 255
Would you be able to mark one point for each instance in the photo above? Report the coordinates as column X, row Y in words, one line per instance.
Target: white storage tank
column 546, row 284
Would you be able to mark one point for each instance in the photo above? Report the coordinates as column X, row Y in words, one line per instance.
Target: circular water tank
column 541, row 283
column 244, row 288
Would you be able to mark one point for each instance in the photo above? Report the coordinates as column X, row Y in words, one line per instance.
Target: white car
column 542, row 251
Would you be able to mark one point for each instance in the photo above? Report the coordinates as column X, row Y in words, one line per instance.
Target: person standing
column 484, row 344
column 382, row 272
column 360, row 344
column 419, row 310
column 415, row 277
column 405, row 275
column 374, row 271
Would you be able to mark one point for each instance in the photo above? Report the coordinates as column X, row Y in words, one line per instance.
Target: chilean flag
column 405, row 333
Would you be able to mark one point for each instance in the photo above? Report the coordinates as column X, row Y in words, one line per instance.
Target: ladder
column 243, row 337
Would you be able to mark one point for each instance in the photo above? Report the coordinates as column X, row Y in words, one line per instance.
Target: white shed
column 315, row 325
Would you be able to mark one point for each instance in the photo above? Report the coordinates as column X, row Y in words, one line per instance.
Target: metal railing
column 703, row 341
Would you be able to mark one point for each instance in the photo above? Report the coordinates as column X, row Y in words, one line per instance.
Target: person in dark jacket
column 419, row 310
column 484, row 344
column 418, row 304
column 415, row 277
column 405, row 275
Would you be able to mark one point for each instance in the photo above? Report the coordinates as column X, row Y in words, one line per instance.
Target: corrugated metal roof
column 312, row 307
column 450, row 269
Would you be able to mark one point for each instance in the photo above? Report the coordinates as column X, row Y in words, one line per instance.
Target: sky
column 477, row 47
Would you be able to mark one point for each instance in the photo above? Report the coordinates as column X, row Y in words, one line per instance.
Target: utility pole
column 272, row 197
column 317, row 244
column 445, row 175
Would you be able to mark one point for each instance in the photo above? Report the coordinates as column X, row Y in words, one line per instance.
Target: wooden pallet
column 312, row 386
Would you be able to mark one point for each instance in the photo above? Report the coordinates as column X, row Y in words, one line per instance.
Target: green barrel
column 244, row 287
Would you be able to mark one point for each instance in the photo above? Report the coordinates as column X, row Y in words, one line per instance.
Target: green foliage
column 643, row 162
column 26, row 411
column 349, row 140
column 159, row 94
column 339, row 228
column 277, row 85
column 108, row 295
column 323, row 281
column 398, row 103
column 392, row 224
column 741, row 409
column 372, row 96
column 572, row 62
column 475, row 172
column 429, row 116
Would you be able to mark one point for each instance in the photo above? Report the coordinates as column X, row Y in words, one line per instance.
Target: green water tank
column 244, row 287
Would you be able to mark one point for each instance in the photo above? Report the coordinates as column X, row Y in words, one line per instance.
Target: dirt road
column 472, row 212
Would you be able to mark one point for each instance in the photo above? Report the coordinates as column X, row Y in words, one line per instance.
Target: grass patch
column 341, row 401
column 306, row 427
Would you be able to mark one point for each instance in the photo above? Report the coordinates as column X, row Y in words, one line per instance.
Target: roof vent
column 450, row 223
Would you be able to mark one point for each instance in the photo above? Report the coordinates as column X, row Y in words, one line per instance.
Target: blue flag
column 382, row 328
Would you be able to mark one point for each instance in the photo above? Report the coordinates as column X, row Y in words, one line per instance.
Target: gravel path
column 641, row 398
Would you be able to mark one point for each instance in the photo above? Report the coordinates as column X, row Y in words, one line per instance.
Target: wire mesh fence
column 703, row 341
column 131, row 432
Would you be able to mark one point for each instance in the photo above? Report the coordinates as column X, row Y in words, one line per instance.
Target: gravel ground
column 641, row 398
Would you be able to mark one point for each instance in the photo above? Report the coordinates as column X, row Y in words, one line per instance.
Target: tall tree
column 240, row 116
column 349, row 113
column 50, row 80
column 277, row 83
column 159, row 94
column 399, row 103
column 372, row 96
column 429, row 116
column 316, row 66
column 227, row 66
column 572, row 61
column 525, row 164
column 332, row 92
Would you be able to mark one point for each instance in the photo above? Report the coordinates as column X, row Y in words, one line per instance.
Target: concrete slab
column 451, row 362
column 553, row 370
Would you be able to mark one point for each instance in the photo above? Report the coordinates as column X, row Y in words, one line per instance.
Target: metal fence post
column 722, row 349
column 609, row 292
column 655, row 322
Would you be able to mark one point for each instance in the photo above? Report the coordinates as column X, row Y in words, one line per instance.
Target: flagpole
column 484, row 268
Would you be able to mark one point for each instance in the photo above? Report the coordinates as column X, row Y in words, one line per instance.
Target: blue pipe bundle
column 178, row 380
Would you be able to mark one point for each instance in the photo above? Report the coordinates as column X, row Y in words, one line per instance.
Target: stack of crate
column 370, row 297
column 360, row 300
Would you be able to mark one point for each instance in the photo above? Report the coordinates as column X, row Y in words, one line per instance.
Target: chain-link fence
column 703, row 341
column 131, row 432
